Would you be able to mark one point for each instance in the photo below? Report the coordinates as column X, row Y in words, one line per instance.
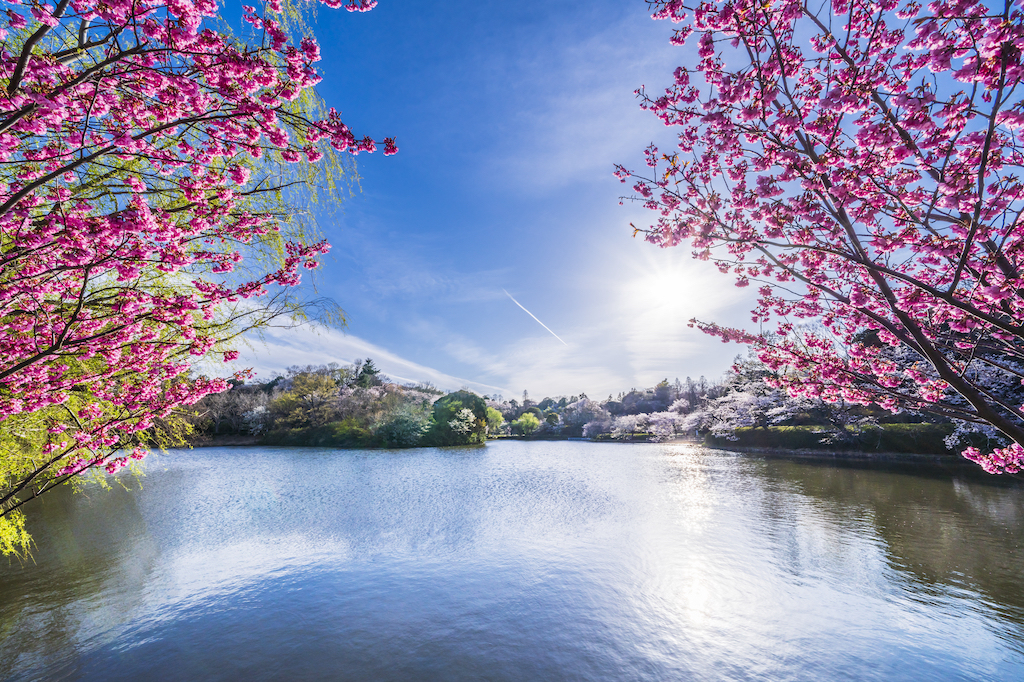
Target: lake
column 519, row 561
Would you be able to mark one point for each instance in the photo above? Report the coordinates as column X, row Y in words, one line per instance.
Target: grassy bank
column 921, row 439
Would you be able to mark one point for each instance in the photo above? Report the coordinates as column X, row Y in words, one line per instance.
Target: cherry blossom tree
column 147, row 158
column 627, row 426
column 665, row 425
column 860, row 163
column 582, row 412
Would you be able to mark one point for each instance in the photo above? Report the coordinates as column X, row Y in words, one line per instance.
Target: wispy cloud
column 582, row 115
column 306, row 345
column 628, row 331
column 525, row 134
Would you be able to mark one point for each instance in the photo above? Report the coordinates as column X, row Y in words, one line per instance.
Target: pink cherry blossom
column 135, row 141
column 861, row 163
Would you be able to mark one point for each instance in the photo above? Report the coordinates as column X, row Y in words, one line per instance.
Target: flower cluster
column 1008, row 460
column 861, row 163
column 137, row 146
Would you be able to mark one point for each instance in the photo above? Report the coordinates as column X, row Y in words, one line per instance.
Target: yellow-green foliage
column 308, row 403
column 495, row 420
column 527, row 423
column 22, row 440
column 14, row 539
column 348, row 433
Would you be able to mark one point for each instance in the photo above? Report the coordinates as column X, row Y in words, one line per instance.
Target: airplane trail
column 535, row 317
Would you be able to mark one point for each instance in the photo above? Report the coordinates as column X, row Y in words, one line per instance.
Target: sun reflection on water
column 521, row 561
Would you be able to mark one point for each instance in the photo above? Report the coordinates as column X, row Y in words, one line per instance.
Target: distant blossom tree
column 582, row 413
column 142, row 151
column 627, row 426
column 665, row 425
column 860, row 162
column 463, row 423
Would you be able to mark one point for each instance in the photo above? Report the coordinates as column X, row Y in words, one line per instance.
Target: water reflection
column 519, row 561
column 950, row 531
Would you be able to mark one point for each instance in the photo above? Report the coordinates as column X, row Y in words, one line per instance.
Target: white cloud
column 583, row 116
column 630, row 330
column 306, row 345
column 635, row 331
column 427, row 281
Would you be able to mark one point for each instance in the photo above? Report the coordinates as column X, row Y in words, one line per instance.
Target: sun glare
column 671, row 289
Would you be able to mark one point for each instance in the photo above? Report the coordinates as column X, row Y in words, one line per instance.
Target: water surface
column 519, row 561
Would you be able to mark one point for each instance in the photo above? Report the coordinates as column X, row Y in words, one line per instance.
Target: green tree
column 459, row 418
column 308, row 402
column 404, row 430
column 527, row 423
column 495, row 421
column 366, row 374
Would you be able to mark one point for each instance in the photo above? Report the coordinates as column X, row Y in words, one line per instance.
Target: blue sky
column 509, row 118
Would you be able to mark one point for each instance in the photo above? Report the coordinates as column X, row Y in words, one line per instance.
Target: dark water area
column 519, row 561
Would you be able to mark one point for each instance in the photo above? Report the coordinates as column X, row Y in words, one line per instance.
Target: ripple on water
column 519, row 561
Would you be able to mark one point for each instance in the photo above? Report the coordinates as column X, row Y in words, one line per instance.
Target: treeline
column 746, row 407
column 353, row 406
column 651, row 413
column 357, row 406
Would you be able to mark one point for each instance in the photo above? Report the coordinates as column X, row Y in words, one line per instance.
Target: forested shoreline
column 357, row 406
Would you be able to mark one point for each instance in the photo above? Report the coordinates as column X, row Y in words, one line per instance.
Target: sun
column 670, row 286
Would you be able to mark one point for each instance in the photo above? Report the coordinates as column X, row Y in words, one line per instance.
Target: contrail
column 535, row 317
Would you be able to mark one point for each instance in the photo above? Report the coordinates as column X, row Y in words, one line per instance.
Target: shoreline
column 224, row 441
column 914, row 463
column 799, row 453
column 911, row 462
column 824, row 454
